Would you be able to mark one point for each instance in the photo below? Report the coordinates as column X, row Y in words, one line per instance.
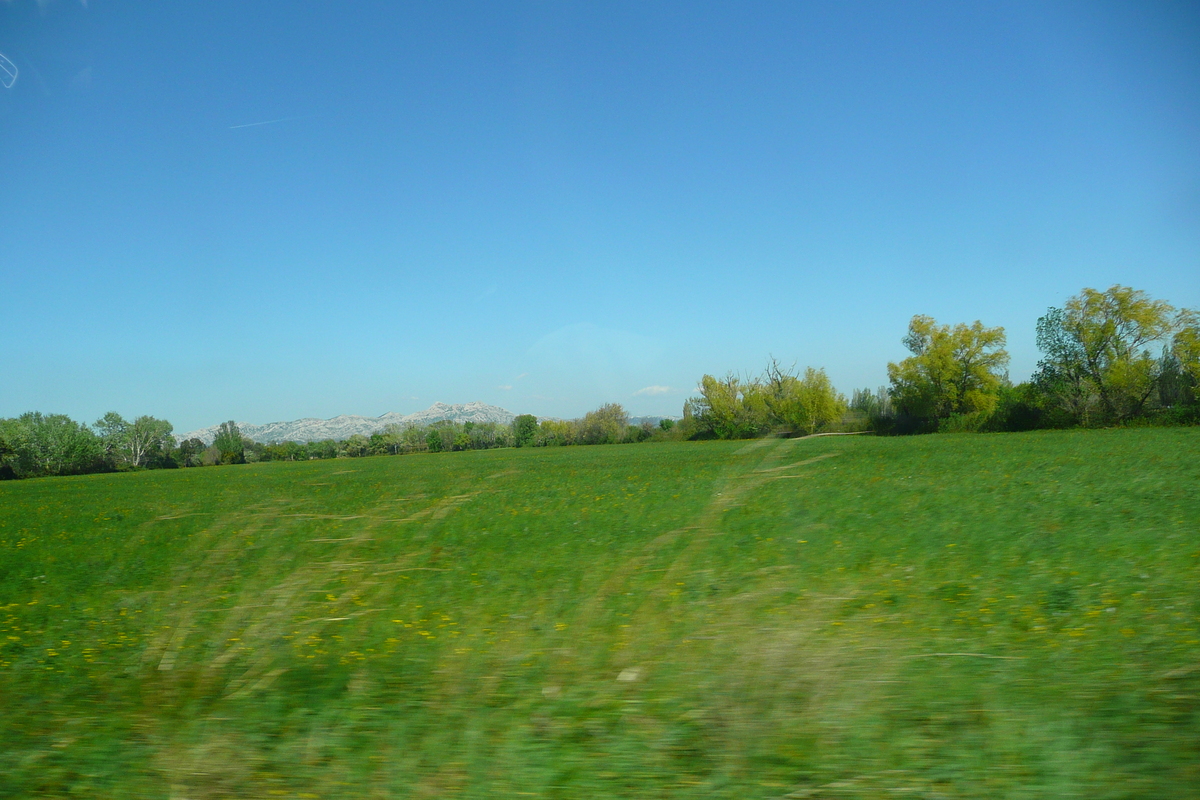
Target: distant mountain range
column 345, row 426
column 652, row 420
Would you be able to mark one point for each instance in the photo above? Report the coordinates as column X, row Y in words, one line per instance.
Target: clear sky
column 271, row 210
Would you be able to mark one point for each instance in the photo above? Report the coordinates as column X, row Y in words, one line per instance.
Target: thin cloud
column 523, row 375
column 653, row 390
column 505, row 387
column 264, row 122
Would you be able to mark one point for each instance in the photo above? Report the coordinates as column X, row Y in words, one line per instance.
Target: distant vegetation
column 1116, row 357
column 35, row 444
column 1108, row 358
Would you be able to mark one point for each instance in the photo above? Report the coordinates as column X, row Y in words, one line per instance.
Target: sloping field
column 1010, row 615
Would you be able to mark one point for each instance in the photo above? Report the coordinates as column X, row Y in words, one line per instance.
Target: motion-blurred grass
column 1010, row 615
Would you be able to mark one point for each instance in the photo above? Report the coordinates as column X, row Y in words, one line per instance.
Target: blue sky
column 550, row 206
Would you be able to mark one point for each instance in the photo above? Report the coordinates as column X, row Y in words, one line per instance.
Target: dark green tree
column 190, row 452
column 524, row 430
column 229, row 444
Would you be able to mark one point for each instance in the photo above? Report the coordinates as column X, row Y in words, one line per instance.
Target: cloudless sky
column 270, row 210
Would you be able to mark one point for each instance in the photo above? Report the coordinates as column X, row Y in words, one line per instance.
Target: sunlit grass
column 948, row 616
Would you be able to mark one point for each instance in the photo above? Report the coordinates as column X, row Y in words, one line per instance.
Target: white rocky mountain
column 345, row 426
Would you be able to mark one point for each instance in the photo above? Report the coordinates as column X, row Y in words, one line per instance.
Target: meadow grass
column 1012, row 615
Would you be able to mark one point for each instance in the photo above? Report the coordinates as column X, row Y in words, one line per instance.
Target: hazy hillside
column 312, row 429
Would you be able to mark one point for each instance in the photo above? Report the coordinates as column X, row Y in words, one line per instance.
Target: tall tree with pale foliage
column 953, row 369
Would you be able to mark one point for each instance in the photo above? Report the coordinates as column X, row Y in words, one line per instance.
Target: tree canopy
column 230, row 447
column 524, row 429
column 779, row 400
column 1098, row 352
column 953, row 369
column 133, row 444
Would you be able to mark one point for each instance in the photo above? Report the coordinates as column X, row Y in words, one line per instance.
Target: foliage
column 355, row 447
column 828, row 617
column 1024, row 407
column 524, row 430
column 732, row 408
column 49, row 444
column 1097, row 351
column 805, row 404
column 779, row 400
column 952, row 370
column 605, row 425
column 872, row 410
column 133, row 444
column 1061, row 373
column 230, row 447
column 556, row 432
column 190, row 452
column 1185, row 350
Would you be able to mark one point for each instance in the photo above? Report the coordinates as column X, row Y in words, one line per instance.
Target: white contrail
column 8, row 72
column 264, row 122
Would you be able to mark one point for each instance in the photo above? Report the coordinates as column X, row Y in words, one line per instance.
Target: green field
column 1010, row 615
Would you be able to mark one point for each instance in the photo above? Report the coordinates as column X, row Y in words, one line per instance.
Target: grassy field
column 1012, row 615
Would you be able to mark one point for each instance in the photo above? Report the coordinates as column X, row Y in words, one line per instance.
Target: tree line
column 1116, row 357
column 37, row 444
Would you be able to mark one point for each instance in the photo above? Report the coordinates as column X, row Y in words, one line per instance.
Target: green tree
column 1185, row 348
column 190, row 452
column 433, row 440
column 952, row 370
column 605, row 425
column 1061, row 373
column 802, row 404
column 733, row 408
column 873, row 409
column 292, row 451
column 253, row 451
column 7, row 456
column 556, row 432
column 524, row 429
column 392, row 438
column 485, row 435
column 229, row 444
column 326, row 448
column 1098, row 350
column 133, row 444
column 51, row 444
